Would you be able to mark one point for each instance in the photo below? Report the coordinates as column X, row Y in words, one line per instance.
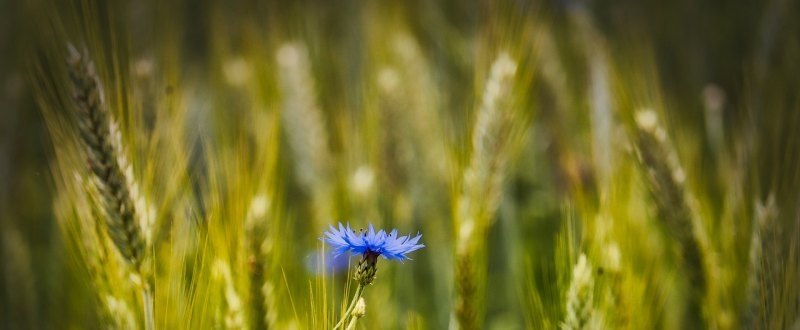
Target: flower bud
column 361, row 308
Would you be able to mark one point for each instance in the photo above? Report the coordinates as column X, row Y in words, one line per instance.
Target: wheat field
column 509, row 164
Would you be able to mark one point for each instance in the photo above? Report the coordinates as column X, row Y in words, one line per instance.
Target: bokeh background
column 387, row 135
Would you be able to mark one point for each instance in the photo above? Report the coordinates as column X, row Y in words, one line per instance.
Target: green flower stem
column 346, row 315
column 352, row 324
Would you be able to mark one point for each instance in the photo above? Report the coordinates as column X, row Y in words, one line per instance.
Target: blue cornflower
column 372, row 244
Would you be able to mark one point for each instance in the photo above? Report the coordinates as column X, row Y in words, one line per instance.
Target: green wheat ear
column 492, row 142
column 580, row 298
column 666, row 181
column 106, row 159
column 304, row 127
column 112, row 175
column 759, row 292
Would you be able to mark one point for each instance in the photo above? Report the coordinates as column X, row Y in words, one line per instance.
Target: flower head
column 389, row 246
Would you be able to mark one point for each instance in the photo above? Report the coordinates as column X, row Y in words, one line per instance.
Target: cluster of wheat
column 552, row 181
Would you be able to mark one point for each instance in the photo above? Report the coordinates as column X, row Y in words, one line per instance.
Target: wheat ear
column 580, row 298
column 762, row 233
column 666, row 178
column 305, row 128
column 482, row 185
column 100, row 136
column 234, row 315
column 113, row 177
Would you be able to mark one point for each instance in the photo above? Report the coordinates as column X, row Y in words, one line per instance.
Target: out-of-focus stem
column 147, row 302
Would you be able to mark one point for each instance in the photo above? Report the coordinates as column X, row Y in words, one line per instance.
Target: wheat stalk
column 261, row 302
column 600, row 100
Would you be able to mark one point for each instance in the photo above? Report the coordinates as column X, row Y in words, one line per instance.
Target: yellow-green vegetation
column 569, row 164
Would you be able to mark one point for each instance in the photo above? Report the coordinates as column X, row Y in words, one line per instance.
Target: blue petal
column 386, row 244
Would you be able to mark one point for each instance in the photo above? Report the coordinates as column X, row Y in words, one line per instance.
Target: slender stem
column 352, row 324
column 346, row 315
column 147, row 300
